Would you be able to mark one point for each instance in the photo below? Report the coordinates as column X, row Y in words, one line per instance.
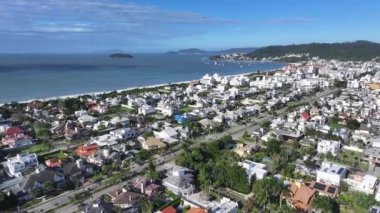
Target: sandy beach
column 129, row 88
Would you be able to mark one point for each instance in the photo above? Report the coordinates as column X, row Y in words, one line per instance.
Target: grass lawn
column 337, row 126
column 37, row 148
column 186, row 109
column 348, row 158
column 363, row 166
column 59, row 155
column 347, row 209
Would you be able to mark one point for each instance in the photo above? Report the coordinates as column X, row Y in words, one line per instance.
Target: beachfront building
column 16, row 165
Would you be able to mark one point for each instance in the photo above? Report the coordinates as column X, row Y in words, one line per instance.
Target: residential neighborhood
column 305, row 138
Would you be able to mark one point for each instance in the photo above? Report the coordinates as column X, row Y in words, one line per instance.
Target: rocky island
column 120, row 55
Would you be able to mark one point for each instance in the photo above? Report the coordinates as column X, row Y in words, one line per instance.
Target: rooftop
column 332, row 168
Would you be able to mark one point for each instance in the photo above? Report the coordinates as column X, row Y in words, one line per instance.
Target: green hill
column 356, row 51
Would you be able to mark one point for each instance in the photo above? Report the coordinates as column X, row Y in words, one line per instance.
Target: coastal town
column 302, row 138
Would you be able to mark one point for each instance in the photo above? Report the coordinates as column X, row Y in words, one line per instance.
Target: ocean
column 39, row 76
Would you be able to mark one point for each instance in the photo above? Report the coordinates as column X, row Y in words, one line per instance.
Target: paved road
column 63, row 198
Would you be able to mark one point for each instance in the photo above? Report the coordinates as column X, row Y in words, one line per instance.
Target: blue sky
column 69, row 26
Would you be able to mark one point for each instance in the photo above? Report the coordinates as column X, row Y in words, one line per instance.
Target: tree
column 37, row 192
column 42, row 130
column 340, row 84
column 265, row 124
column 356, row 200
column 324, row 203
column 309, row 163
column 148, row 134
column 101, row 127
column 267, row 190
column 48, row 186
column 43, row 134
column 145, row 205
column 106, row 170
column 152, row 173
column 237, row 179
column 352, row 124
column 115, row 165
column 273, row 147
column 246, row 135
column 7, row 201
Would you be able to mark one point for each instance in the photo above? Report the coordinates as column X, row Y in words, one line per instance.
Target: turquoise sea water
column 26, row 77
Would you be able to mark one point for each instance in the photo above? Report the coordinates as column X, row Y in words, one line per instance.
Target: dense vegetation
column 217, row 167
column 359, row 50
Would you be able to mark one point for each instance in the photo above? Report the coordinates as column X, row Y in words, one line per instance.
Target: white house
column 225, row 205
column 125, row 133
column 239, row 81
column 253, row 168
column 87, row 119
column 200, row 200
column 120, row 120
column 179, row 181
column 105, row 140
column 325, row 146
column 331, row 173
column 146, row 109
column 4, row 127
column 80, row 113
column 21, row 162
column 169, row 135
column 169, row 110
column 363, row 183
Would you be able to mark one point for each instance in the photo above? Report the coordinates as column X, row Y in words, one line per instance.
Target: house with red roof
column 15, row 137
column 53, row 163
column 305, row 116
column 169, row 209
column 17, row 141
column 196, row 210
column 301, row 196
column 13, row 131
column 86, row 150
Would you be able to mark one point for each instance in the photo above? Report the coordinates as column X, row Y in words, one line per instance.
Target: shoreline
column 130, row 88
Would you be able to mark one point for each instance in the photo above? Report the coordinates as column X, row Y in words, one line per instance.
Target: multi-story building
column 20, row 162
column 326, row 146
column 331, row 173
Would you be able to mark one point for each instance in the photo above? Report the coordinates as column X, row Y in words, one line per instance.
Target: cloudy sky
column 73, row 26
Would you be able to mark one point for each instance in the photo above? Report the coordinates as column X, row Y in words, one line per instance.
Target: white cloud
column 97, row 16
